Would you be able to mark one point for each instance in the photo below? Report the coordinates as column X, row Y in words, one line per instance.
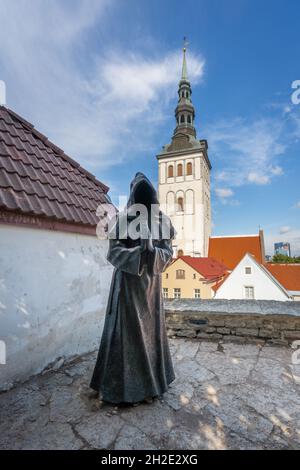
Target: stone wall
column 234, row 320
column 53, row 294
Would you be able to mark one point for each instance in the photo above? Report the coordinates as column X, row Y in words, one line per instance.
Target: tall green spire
column 184, row 112
column 184, row 75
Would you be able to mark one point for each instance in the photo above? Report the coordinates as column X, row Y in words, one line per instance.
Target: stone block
column 236, row 322
column 291, row 334
column 247, row 331
column 216, row 321
column 186, row 333
column 255, row 322
column 268, row 333
column 223, row 331
column 209, row 336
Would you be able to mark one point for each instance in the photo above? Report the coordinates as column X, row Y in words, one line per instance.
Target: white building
column 184, row 178
column 54, row 277
column 251, row 280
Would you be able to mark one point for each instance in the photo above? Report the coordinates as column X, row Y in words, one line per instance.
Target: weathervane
column 185, row 43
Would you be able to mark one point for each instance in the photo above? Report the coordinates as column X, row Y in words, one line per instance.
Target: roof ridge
column 234, row 236
column 57, row 150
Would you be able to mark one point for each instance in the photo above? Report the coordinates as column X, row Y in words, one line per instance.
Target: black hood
column 142, row 191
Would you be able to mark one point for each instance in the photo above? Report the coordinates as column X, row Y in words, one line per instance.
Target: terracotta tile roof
column 38, row 178
column 230, row 250
column 209, row 268
column 219, row 283
column 287, row 274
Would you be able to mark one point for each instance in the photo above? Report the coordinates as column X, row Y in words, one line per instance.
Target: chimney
column 262, row 245
column 2, row 93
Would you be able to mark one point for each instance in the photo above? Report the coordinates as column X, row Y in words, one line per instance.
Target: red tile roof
column 287, row 274
column 219, row 283
column 38, row 178
column 209, row 268
column 230, row 250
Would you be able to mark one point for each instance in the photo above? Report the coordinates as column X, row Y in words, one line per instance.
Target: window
column 180, row 204
column 194, row 276
column 182, row 118
column 179, row 169
column 189, row 120
column 167, row 276
column 177, row 293
column 248, row 270
column 180, row 274
column 249, row 292
column 170, row 171
column 165, row 292
column 189, row 168
column 197, row 294
column 180, row 253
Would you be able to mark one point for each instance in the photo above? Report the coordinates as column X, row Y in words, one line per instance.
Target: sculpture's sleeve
column 129, row 260
column 160, row 257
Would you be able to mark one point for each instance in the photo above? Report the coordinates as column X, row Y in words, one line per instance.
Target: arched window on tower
column 180, row 204
column 182, row 118
column 179, row 170
column 189, row 168
column 189, row 119
column 170, row 171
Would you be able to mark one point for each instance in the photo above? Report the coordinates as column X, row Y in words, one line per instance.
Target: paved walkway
column 226, row 396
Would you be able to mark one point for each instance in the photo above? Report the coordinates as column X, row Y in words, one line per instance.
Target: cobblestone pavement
column 225, row 396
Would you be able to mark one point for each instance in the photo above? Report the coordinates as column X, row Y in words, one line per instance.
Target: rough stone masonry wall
column 234, row 320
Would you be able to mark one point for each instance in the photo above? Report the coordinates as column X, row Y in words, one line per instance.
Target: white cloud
column 246, row 152
column 98, row 105
column 284, row 229
column 226, row 196
column 224, row 192
column 298, row 204
column 257, row 178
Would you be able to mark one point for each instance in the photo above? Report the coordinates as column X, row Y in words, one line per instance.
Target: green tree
column 284, row 259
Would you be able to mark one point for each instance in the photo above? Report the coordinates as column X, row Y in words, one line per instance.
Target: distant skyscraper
column 282, row 248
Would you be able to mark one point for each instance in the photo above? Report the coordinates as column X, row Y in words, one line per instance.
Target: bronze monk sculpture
column 134, row 361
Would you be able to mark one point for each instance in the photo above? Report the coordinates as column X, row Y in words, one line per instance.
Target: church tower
column 184, row 178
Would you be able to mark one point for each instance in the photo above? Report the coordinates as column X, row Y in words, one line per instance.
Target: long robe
column 134, row 360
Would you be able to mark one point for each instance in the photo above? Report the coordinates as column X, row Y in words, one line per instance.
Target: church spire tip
column 184, row 75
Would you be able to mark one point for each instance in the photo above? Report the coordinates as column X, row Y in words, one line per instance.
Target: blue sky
column 100, row 79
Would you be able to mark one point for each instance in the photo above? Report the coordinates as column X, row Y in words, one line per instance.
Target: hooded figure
column 134, row 361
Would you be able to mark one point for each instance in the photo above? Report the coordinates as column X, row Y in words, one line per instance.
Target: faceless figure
column 134, row 361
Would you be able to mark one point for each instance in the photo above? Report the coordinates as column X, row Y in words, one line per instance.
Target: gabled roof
column 38, row 178
column 229, row 250
column 260, row 266
column 209, row 268
column 287, row 274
